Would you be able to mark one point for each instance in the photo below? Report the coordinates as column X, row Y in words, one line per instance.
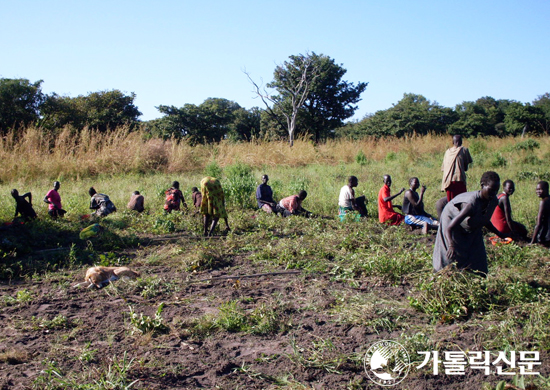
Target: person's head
column 541, row 190
column 176, row 185
column 490, row 183
column 194, row 189
column 56, row 185
column 265, row 179
column 14, row 193
column 414, row 183
column 302, row 195
column 92, row 191
column 135, row 193
column 508, row 187
column 387, row 180
column 353, row 181
column 457, row 140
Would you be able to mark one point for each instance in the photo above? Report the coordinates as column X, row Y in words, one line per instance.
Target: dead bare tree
column 293, row 85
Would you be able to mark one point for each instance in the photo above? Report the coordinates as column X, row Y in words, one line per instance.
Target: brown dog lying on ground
column 102, row 276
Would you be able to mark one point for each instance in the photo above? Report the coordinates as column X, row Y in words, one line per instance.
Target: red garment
column 499, row 218
column 385, row 209
column 456, row 188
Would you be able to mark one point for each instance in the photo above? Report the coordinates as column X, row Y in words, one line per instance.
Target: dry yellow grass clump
column 31, row 153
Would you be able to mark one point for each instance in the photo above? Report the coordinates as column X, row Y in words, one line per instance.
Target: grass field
column 357, row 283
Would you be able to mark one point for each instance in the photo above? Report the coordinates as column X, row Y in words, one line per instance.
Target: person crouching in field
column 386, row 214
column 292, row 205
column 100, row 203
column 413, row 207
column 348, row 202
column 174, row 198
column 137, row 202
column 264, row 196
column 212, row 205
column 502, row 217
column 22, row 206
column 196, row 197
column 54, row 201
column 460, row 234
column 541, row 233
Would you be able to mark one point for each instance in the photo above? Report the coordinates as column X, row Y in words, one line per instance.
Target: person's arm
column 28, row 195
column 410, row 197
column 538, row 226
column 390, row 198
column 352, row 200
column 448, row 231
column 468, row 159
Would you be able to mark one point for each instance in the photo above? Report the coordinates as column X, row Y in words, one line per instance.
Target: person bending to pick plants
column 174, row 198
column 22, row 206
column 101, row 203
column 502, row 217
column 292, row 205
column 386, row 214
column 264, row 196
column 541, row 234
column 137, row 202
column 212, row 205
column 455, row 165
column 460, row 235
column 413, row 207
column 54, row 201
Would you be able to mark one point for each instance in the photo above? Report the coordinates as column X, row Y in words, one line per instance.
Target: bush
column 213, row 170
column 239, row 185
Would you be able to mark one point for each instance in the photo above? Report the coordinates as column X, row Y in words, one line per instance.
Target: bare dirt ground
column 82, row 333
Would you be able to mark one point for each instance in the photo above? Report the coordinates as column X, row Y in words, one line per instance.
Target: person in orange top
column 502, row 216
column 386, row 214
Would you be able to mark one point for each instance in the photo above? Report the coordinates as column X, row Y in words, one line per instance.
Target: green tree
column 414, row 114
column 102, row 110
column 207, row 122
column 543, row 102
column 308, row 93
column 246, row 125
column 331, row 100
column 521, row 118
column 20, row 102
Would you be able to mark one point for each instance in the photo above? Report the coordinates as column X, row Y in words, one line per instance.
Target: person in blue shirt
column 264, row 196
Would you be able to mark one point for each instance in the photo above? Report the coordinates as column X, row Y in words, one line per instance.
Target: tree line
column 308, row 96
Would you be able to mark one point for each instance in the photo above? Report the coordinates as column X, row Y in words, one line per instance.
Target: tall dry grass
column 32, row 154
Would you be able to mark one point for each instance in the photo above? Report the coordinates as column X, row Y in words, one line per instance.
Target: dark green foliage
column 20, row 102
column 239, row 185
column 104, row 110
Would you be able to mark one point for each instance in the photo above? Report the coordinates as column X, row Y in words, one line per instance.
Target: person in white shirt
column 347, row 201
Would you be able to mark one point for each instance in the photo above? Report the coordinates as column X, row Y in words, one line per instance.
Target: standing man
column 542, row 228
column 54, row 201
column 455, row 165
column 264, row 196
column 385, row 207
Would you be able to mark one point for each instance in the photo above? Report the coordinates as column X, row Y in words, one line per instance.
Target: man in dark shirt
column 264, row 196
column 413, row 207
column 22, row 206
column 541, row 233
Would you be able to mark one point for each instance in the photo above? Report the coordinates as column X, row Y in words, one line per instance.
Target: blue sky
column 178, row 52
